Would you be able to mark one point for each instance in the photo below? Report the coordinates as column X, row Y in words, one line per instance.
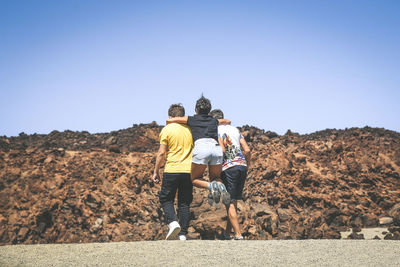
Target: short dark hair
column 217, row 114
column 203, row 105
column 176, row 110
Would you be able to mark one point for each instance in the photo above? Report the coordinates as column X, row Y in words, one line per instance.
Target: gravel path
column 202, row 253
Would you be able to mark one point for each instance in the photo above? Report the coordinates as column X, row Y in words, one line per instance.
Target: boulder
column 283, row 214
column 261, row 209
column 385, row 220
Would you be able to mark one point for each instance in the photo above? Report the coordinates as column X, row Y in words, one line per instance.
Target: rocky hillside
column 80, row 187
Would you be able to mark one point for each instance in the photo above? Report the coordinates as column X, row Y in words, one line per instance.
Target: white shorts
column 207, row 151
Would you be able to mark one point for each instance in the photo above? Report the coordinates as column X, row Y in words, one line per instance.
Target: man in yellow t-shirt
column 177, row 140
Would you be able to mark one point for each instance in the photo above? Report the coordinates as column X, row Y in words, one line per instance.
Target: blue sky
column 105, row 65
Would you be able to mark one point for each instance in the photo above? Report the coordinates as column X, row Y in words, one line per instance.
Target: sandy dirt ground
column 206, row 253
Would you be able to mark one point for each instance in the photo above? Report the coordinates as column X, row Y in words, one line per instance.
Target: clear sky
column 105, row 65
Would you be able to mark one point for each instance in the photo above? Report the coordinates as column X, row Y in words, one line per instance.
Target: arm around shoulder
column 178, row 120
column 224, row 122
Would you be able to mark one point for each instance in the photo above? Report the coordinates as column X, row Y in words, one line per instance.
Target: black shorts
column 233, row 179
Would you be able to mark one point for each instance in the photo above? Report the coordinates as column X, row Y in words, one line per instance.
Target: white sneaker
column 174, row 229
column 238, row 238
column 182, row 237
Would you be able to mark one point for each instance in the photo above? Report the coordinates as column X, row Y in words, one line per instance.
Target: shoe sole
column 226, row 198
column 210, row 200
column 216, row 195
column 174, row 234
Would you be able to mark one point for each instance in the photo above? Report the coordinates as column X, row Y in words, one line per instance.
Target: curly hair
column 203, row 105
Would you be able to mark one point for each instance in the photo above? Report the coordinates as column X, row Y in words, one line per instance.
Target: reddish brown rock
column 395, row 213
column 80, row 187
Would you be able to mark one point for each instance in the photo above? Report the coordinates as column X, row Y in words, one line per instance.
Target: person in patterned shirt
column 236, row 160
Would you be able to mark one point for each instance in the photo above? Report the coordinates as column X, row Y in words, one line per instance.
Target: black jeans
column 182, row 183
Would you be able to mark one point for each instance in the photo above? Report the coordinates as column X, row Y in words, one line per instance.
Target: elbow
column 162, row 154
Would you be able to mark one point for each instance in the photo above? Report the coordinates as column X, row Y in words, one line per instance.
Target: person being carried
column 206, row 151
column 177, row 140
column 234, row 170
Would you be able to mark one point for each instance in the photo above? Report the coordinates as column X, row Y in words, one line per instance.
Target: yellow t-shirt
column 179, row 141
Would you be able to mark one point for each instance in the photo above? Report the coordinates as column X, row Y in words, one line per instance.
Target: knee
column 164, row 198
column 196, row 181
column 185, row 201
column 183, row 205
column 233, row 215
column 194, row 178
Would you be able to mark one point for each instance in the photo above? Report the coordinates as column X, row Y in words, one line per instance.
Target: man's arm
column 221, row 144
column 178, row 120
column 162, row 151
column 224, row 122
column 245, row 150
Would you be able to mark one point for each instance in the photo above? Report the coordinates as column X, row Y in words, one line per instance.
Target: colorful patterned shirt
column 233, row 155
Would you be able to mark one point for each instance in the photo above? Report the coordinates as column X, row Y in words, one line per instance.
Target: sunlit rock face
column 79, row 187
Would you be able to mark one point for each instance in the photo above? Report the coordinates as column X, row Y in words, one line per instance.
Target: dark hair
column 176, row 110
column 203, row 105
column 217, row 114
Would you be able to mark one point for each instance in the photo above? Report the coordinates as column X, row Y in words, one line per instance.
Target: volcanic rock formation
column 80, row 187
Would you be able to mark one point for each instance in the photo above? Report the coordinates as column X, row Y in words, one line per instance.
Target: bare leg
column 197, row 175
column 233, row 218
column 215, row 172
column 228, row 227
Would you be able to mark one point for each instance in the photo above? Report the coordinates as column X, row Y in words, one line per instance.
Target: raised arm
column 245, row 150
column 178, row 120
column 224, row 121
